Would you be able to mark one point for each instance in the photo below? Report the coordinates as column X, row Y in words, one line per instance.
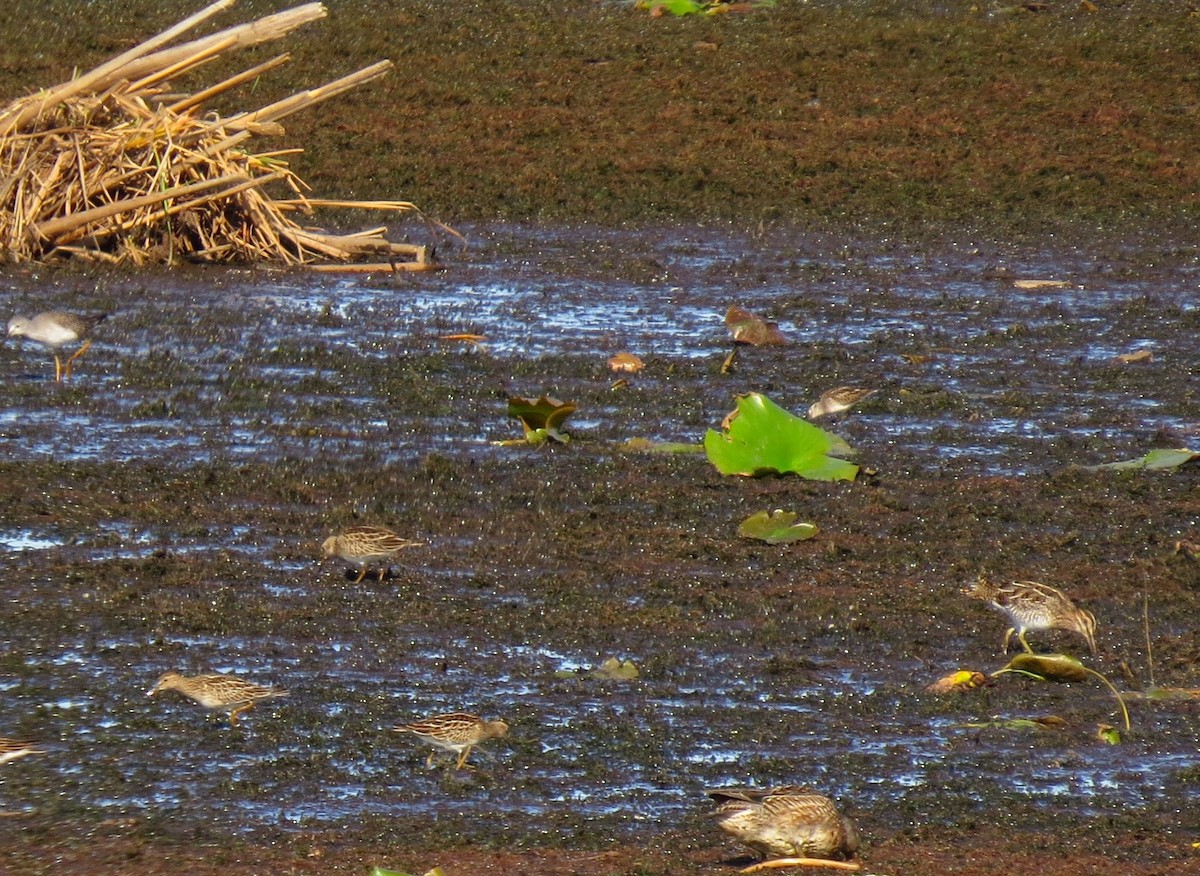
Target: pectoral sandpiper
column 56, row 329
column 1033, row 606
column 786, row 821
column 836, row 400
column 365, row 545
column 11, row 749
column 456, row 732
column 222, row 693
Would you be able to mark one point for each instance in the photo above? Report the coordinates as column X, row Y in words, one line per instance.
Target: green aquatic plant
column 761, row 438
column 541, row 418
column 776, row 527
column 1059, row 668
column 1153, row 461
column 697, row 7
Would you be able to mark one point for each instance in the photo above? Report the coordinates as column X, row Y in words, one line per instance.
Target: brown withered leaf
column 1138, row 356
column 626, row 363
column 747, row 328
column 1040, row 284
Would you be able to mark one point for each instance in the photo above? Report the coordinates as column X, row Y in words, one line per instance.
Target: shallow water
column 226, row 367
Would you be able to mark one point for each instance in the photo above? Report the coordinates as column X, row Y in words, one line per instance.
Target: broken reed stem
column 232, row 82
column 113, row 163
column 98, row 78
column 304, row 99
column 59, row 230
column 271, row 27
column 1146, row 633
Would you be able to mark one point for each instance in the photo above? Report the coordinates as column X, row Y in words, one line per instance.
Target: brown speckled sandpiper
column 1033, row 606
column 222, row 693
column 366, row 545
column 836, row 400
column 786, row 821
column 457, row 732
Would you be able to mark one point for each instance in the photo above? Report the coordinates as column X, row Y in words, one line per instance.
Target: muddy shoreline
column 164, row 510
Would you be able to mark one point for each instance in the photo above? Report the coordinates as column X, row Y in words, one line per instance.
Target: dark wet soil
column 164, row 510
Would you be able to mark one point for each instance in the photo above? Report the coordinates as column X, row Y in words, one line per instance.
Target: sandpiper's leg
column 1007, row 637
column 429, row 760
column 462, row 757
column 58, row 369
column 383, row 571
column 362, row 573
column 78, row 353
column 1021, row 637
column 233, row 715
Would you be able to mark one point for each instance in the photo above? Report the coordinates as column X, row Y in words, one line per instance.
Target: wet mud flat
column 164, row 510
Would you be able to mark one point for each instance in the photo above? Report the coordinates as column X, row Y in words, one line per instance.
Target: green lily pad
column 762, row 438
column 776, row 527
column 1153, row 461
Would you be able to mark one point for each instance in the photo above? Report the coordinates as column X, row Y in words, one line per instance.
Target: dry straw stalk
column 108, row 167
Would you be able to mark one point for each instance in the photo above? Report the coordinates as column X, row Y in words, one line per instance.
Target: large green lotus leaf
column 1155, row 459
column 763, row 439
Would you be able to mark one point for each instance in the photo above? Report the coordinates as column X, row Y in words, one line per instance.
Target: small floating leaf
column 747, row 328
column 645, row 445
column 958, row 682
column 615, row 669
column 776, row 527
column 1108, row 733
column 1040, row 284
column 1155, row 459
column 626, row 363
column 763, row 438
column 1139, row 356
column 1044, row 722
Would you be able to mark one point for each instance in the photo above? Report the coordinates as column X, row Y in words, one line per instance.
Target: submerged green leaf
column 762, row 438
column 646, row 445
column 1046, row 722
column 1154, row 460
column 776, row 527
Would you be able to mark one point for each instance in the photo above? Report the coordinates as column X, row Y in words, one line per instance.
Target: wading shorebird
column 365, row 545
column 11, row 749
column 455, row 732
column 56, row 329
column 836, row 400
column 221, row 693
column 785, row 822
column 1033, row 606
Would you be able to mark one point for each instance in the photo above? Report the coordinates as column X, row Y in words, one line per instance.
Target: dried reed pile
column 113, row 167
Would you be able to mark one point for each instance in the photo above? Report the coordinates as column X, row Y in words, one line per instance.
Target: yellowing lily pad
column 776, row 527
column 958, row 682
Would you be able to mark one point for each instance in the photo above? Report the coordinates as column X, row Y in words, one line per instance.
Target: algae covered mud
column 165, row 510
